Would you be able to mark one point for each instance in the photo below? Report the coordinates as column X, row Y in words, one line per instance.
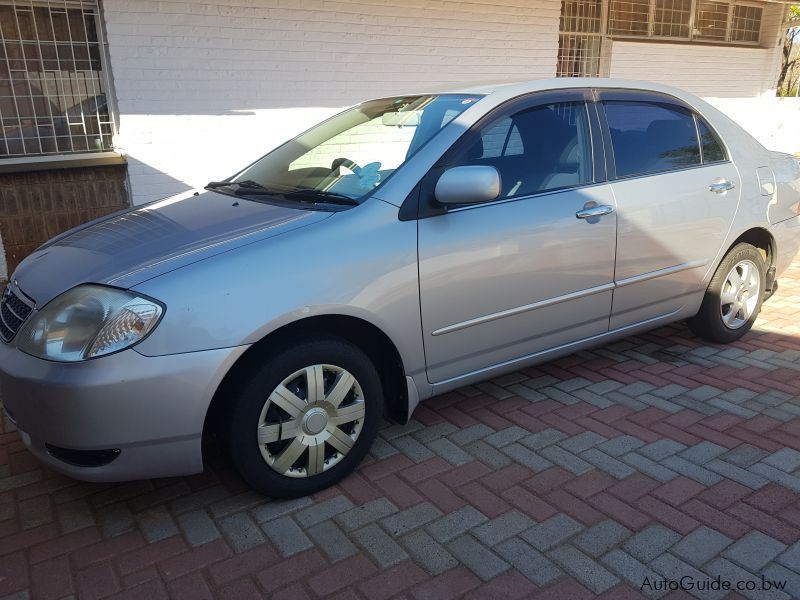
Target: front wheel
column 306, row 418
column 733, row 298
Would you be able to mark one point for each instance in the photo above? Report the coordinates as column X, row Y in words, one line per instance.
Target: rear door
column 676, row 199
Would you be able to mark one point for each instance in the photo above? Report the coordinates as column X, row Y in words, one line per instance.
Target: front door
column 533, row 269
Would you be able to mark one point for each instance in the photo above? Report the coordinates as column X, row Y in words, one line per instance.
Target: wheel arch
column 762, row 239
column 367, row 336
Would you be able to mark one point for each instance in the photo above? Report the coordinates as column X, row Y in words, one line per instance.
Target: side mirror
column 468, row 185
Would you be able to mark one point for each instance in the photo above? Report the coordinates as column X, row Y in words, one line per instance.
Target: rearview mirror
column 468, row 185
column 405, row 118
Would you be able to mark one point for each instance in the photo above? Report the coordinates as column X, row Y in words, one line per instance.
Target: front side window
column 354, row 152
column 651, row 138
column 502, row 139
column 535, row 150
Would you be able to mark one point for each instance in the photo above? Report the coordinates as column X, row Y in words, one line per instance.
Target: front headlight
column 89, row 321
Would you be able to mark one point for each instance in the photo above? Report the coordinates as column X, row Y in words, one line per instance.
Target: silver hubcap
column 739, row 296
column 311, row 420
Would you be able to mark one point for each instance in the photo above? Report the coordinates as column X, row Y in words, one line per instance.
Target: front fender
column 361, row 263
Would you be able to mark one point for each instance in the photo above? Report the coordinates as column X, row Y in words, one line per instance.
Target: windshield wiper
column 248, row 187
column 313, row 195
column 246, row 183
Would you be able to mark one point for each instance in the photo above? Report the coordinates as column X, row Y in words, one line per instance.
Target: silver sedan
column 400, row 249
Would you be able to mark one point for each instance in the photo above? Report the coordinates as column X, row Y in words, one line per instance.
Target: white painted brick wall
column 775, row 122
column 739, row 81
column 713, row 71
column 204, row 88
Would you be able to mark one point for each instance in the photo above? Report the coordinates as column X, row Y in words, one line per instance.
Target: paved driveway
column 658, row 456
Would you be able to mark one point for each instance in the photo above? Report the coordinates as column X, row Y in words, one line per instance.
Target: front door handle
column 720, row 186
column 592, row 212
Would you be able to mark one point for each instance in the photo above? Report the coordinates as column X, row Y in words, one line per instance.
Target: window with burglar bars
column 629, row 17
column 53, row 87
column 672, row 18
column 580, row 38
column 746, row 24
column 712, row 20
column 584, row 28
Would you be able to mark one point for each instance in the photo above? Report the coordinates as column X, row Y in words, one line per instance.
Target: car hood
column 127, row 248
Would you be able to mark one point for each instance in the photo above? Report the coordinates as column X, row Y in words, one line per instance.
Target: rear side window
column 712, row 147
column 651, row 138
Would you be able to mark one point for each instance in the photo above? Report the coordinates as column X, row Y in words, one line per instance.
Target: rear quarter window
column 651, row 138
column 713, row 150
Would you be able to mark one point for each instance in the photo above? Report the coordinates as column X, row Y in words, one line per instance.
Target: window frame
column 693, row 37
column 583, row 41
column 421, row 203
column 657, row 98
column 653, row 22
column 698, row 119
column 745, row 4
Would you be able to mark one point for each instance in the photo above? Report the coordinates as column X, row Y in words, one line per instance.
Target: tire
column 716, row 321
column 262, row 436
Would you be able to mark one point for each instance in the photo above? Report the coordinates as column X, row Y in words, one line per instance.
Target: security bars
column 585, row 29
column 746, row 23
column 580, row 38
column 53, row 85
column 672, row 18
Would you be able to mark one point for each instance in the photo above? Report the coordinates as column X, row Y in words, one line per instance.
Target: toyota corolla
column 405, row 247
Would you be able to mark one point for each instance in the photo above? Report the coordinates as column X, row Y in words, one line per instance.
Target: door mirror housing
column 468, row 185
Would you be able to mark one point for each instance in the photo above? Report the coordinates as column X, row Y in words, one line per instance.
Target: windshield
column 353, row 153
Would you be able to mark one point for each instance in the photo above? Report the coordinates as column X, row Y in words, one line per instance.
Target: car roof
column 514, row 87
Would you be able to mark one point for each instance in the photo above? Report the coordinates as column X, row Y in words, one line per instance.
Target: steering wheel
column 368, row 176
column 345, row 162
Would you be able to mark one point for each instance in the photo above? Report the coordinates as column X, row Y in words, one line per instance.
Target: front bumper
column 150, row 408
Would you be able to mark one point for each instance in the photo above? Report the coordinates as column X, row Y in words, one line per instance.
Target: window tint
column 535, row 150
column 712, row 147
column 649, row 138
column 502, row 139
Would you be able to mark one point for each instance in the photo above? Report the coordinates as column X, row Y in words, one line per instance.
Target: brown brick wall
column 37, row 206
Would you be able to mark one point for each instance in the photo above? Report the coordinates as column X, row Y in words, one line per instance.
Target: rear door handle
column 720, row 186
column 591, row 212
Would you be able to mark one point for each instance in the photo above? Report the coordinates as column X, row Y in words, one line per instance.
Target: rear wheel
column 306, row 418
column 734, row 296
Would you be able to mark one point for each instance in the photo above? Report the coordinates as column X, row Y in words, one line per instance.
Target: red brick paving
column 59, row 537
